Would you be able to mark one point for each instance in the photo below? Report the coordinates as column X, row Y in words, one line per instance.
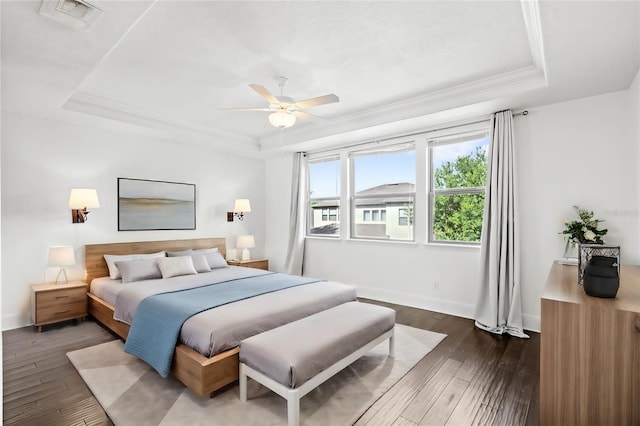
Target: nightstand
column 52, row 303
column 251, row 263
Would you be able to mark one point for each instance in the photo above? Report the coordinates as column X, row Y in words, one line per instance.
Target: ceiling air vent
column 77, row 14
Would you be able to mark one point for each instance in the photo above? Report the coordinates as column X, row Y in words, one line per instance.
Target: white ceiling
column 170, row 66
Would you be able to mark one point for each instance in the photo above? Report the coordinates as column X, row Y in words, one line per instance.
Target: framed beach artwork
column 145, row 205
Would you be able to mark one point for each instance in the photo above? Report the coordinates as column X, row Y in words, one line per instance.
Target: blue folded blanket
column 157, row 322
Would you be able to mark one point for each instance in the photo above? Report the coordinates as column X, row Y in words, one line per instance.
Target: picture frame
column 151, row 205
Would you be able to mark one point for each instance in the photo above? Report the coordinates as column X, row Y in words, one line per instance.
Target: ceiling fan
column 284, row 109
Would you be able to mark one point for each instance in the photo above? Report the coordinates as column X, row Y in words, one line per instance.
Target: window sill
column 362, row 241
column 454, row 245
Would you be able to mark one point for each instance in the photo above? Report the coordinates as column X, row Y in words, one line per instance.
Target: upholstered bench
column 294, row 359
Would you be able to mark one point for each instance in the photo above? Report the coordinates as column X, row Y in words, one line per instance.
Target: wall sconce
column 240, row 207
column 61, row 256
column 245, row 242
column 79, row 201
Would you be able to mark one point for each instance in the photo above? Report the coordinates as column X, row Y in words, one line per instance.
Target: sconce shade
column 245, row 241
column 61, row 256
column 81, row 198
column 242, row 205
column 282, row 119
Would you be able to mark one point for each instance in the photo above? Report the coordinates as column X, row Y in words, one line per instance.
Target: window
column 457, row 181
column 374, row 215
column 383, row 183
column 405, row 217
column 330, row 215
column 433, row 182
column 324, row 197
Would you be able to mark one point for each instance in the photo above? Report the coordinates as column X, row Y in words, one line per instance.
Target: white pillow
column 174, row 266
column 111, row 260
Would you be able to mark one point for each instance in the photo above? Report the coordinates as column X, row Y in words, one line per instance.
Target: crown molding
column 109, row 108
column 509, row 83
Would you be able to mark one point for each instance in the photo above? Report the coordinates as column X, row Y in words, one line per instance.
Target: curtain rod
column 523, row 113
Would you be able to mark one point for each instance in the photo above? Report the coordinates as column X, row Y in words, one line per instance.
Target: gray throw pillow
column 138, row 270
column 200, row 263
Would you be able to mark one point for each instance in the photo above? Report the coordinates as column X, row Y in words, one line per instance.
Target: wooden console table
column 589, row 352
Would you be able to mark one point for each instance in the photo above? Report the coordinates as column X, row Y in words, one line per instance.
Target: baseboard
column 12, row 321
column 529, row 322
column 415, row 301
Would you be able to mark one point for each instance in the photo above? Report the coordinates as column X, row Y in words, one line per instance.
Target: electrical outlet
column 436, row 285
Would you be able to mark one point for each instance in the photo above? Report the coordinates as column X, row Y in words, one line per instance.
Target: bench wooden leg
column 243, row 384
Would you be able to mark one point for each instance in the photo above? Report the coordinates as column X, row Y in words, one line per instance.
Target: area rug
column 132, row 393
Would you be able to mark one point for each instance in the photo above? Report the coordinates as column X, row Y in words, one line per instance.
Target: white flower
column 589, row 236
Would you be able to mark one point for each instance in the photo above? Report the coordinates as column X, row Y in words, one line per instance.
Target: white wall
column 581, row 152
column 43, row 159
column 634, row 111
column 584, row 152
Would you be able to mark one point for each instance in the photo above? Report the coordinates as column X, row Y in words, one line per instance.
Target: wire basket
column 587, row 251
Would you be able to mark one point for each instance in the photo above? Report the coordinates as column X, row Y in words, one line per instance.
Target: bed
column 206, row 369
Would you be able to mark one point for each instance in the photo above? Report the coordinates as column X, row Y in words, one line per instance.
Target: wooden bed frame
column 200, row 374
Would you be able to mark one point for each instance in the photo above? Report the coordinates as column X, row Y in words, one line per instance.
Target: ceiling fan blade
column 320, row 100
column 310, row 117
column 264, row 93
column 244, row 109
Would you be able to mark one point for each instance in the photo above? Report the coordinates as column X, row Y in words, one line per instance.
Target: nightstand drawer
column 46, row 299
column 61, row 312
column 58, row 302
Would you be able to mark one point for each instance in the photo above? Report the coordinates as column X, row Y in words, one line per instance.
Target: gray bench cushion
column 295, row 352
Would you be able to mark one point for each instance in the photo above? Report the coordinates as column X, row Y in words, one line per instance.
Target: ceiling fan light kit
column 282, row 119
column 284, row 109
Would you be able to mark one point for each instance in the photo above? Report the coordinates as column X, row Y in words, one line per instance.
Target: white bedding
column 222, row 328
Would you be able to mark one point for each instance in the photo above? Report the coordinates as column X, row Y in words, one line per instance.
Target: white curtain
column 499, row 308
column 297, row 217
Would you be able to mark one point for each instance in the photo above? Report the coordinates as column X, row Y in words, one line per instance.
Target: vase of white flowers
column 582, row 231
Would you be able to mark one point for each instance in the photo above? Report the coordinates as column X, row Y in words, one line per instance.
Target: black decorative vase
column 601, row 278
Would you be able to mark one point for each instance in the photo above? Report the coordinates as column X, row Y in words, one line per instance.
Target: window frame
column 400, row 145
column 309, row 199
column 423, row 202
column 433, row 192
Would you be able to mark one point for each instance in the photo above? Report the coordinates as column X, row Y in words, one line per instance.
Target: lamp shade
column 61, row 256
column 282, row 119
column 242, row 205
column 245, row 241
column 81, row 198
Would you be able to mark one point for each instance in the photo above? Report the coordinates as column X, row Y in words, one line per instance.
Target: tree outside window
column 458, row 190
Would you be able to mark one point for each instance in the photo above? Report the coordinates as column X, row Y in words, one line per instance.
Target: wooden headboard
column 96, row 266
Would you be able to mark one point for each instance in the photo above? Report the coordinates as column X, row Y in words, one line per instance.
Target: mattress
column 223, row 327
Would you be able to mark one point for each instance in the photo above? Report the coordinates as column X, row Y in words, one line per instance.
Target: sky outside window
column 324, row 179
column 384, row 168
column 444, row 153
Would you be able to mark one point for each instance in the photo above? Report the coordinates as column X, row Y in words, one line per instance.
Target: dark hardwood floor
column 471, row 378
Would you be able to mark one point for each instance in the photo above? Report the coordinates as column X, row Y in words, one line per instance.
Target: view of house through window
column 458, row 177
column 324, row 197
column 383, row 193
